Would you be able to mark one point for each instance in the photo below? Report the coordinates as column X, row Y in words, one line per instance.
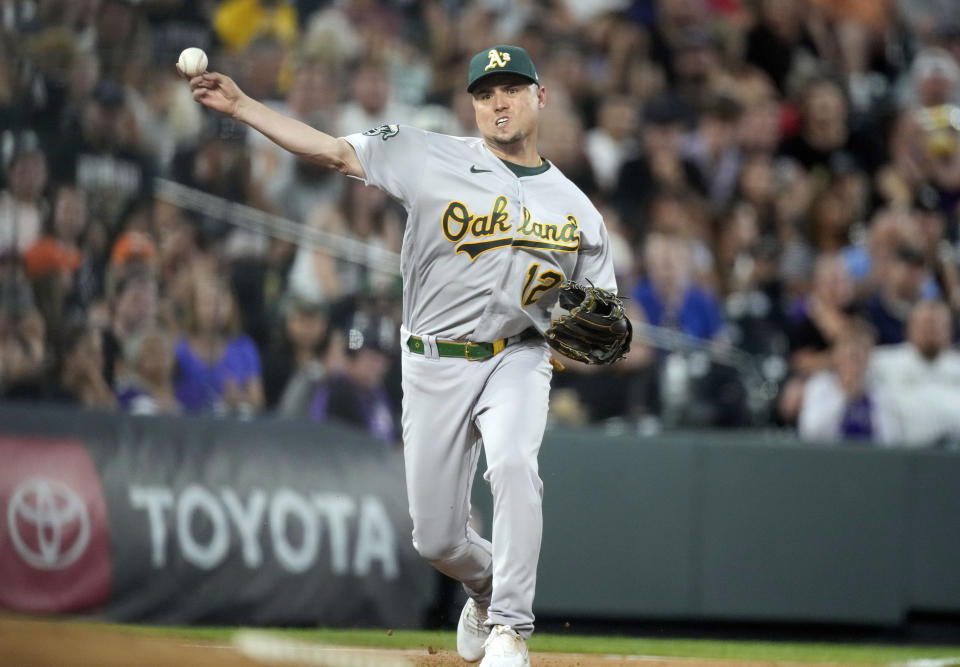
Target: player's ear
column 541, row 97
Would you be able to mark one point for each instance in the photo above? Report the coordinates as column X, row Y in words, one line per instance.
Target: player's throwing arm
column 220, row 93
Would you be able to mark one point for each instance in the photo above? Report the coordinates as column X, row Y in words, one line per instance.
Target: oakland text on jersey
column 458, row 221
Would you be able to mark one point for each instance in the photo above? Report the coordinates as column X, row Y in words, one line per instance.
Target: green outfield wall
column 742, row 526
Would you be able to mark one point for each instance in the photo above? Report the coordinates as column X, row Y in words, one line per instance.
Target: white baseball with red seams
column 192, row 61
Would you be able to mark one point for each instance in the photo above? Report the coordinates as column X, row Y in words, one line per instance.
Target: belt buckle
column 466, row 351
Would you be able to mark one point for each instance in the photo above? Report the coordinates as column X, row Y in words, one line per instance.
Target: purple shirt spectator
column 699, row 315
column 857, row 420
column 367, row 408
column 199, row 385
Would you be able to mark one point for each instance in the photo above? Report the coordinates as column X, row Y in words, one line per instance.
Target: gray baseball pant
column 452, row 407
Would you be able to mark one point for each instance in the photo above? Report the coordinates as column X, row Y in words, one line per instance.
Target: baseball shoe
column 471, row 631
column 505, row 648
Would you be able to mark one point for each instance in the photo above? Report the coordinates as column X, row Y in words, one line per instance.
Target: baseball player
column 493, row 230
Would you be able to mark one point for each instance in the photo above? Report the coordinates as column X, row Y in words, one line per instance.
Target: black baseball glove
column 596, row 330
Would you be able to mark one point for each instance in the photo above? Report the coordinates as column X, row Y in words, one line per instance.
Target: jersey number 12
column 537, row 283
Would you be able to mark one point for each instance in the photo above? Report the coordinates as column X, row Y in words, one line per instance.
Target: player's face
column 507, row 108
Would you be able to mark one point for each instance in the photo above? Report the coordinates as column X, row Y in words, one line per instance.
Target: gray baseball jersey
column 483, row 247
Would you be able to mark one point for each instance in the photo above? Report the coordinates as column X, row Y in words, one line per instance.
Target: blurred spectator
column 765, row 139
column 737, row 240
column 258, row 283
column 757, row 188
column 22, row 206
column 166, row 117
column 612, row 141
column 748, row 280
column 870, row 256
column 690, row 388
column 832, row 216
column 562, row 142
column 293, row 186
column 713, row 148
column 659, row 167
column 100, row 151
column 121, row 32
column 687, row 217
column 622, row 44
column 371, row 101
column 922, row 376
column 23, row 352
column 175, row 25
column 931, row 223
column 266, row 69
column 295, row 361
column 906, row 167
column 58, row 250
column 621, row 243
column 53, row 262
column 760, row 120
column 239, row 22
column 900, row 286
column 567, row 74
column 934, row 79
column 824, row 130
column 927, row 17
column 669, row 297
column 147, row 388
column 925, row 355
column 840, row 403
column 218, row 366
column 787, row 40
column 8, row 105
column 219, row 163
column 180, row 246
column 932, row 128
column 818, row 322
column 80, row 378
column 872, row 46
column 363, row 214
column 132, row 247
column 794, row 191
column 135, row 305
column 672, row 20
column 697, row 67
column 355, row 393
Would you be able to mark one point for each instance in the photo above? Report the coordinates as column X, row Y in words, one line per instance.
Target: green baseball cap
column 502, row 58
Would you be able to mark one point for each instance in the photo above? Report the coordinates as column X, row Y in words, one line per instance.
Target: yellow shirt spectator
column 239, row 22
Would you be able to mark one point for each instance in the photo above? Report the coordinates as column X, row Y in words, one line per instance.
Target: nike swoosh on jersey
column 475, row 170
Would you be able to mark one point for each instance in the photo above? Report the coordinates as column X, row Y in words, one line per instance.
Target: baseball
column 193, row 61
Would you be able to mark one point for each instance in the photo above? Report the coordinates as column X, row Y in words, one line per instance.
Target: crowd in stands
column 780, row 180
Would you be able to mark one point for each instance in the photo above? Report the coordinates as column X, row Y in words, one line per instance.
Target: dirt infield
column 26, row 642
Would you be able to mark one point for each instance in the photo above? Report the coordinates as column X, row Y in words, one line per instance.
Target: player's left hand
column 596, row 330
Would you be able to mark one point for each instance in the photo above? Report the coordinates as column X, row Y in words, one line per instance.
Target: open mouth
column 502, row 121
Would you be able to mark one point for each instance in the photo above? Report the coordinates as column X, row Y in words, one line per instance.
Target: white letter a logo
column 497, row 59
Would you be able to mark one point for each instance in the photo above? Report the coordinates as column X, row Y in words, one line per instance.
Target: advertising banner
column 194, row 520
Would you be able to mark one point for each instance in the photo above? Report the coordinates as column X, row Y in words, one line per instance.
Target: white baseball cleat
column 505, row 648
column 471, row 631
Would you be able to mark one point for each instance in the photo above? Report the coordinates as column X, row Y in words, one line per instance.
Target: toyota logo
column 49, row 523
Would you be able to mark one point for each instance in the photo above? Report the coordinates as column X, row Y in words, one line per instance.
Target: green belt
column 469, row 350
